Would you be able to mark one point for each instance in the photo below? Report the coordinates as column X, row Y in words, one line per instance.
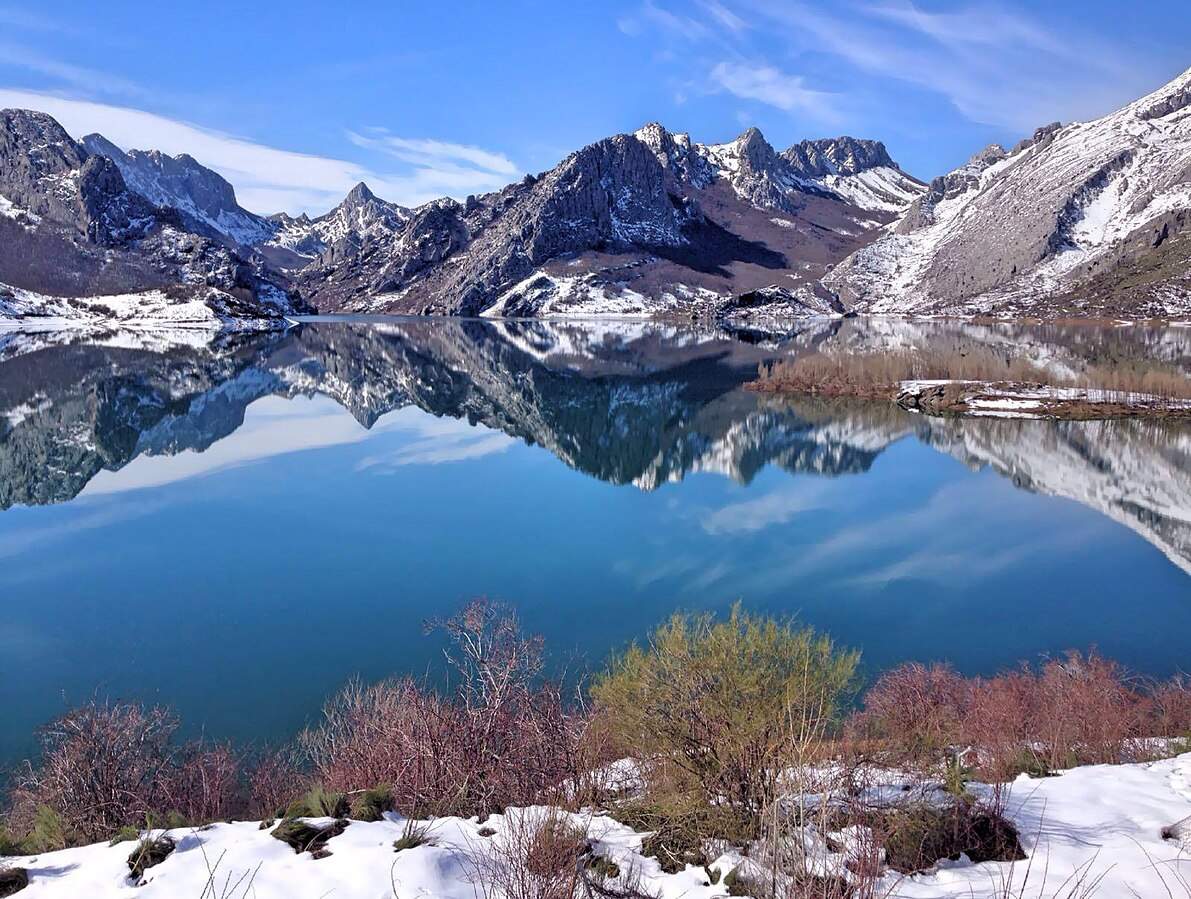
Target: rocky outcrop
column 1042, row 228
column 204, row 199
column 71, row 226
column 359, row 222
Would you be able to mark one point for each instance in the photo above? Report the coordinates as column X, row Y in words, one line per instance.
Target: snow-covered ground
column 1105, row 821
column 1011, row 400
column 210, row 311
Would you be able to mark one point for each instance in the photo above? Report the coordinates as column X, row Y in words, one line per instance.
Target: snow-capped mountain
column 1091, row 217
column 205, row 199
column 70, row 226
column 635, row 224
column 359, row 220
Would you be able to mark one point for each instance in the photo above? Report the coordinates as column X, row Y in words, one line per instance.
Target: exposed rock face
column 71, row 226
column 838, row 156
column 1047, row 225
column 359, row 221
column 635, row 224
column 205, row 200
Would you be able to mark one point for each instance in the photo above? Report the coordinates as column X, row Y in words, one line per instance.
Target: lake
column 236, row 529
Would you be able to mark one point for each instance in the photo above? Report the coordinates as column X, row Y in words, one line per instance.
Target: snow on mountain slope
column 362, row 217
column 1069, row 208
column 180, row 182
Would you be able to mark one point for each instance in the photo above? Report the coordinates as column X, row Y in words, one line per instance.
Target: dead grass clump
column 918, row 836
column 12, row 881
column 681, row 827
column 149, row 852
column 879, row 374
column 413, row 835
column 303, row 836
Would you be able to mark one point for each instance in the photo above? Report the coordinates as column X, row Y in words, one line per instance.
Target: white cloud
column 438, row 440
column 724, row 16
column 996, row 67
column 65, row 72
column 268, row 179
column 777, row 507
column 771, row 86
column 431, row 152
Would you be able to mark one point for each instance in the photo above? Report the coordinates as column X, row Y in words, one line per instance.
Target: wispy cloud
column 269, row 179
column 776, row 507
column 424, row 152
column 434, row 441
column 996, row 65
column 724, row 16
column 441, row 167
column 771, row 86
column 650, row 16
column 64, row 72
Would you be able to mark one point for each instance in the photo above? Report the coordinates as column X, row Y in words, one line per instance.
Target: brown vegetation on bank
column 1124, row 388
column 742, row 728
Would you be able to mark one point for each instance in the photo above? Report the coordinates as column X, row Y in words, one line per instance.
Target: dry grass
column 878, row 374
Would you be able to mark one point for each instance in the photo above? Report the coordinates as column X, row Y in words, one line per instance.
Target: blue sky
column 296, row 102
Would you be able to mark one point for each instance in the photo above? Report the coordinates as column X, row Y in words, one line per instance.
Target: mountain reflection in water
column 628, row 403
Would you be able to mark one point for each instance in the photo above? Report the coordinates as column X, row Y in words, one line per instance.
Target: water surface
column 236, row 529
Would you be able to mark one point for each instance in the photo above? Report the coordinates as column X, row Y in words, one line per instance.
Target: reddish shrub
column 503, row 738
column 206, row 784
column 1086, row 712
column 273, row 779
column 1081, row 709
column 1170, row 709
column 916, row 710
column 104, row 766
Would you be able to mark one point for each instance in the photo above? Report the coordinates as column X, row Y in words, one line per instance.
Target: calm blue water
column 238, row 530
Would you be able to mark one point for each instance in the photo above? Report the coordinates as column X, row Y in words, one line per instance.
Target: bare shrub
column 1079, row 709
column 917, row 711
column 1171, row 709
column 206, row 784
column 1087, row 713
column 504, row 737
column 103, row 766
column 273, row 778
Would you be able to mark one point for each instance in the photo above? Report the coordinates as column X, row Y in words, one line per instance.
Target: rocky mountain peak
column 838, row 156
column 676, row 154
column 32, row 146
column 754, row 151
column 204, row 198
column 359, row 196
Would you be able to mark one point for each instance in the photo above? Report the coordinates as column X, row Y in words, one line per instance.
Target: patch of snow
column 1106, row 819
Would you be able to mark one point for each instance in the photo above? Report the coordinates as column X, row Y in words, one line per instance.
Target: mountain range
column 1088, row 218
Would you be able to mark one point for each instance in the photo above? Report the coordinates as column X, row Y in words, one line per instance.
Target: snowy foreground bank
column 1101, row 823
